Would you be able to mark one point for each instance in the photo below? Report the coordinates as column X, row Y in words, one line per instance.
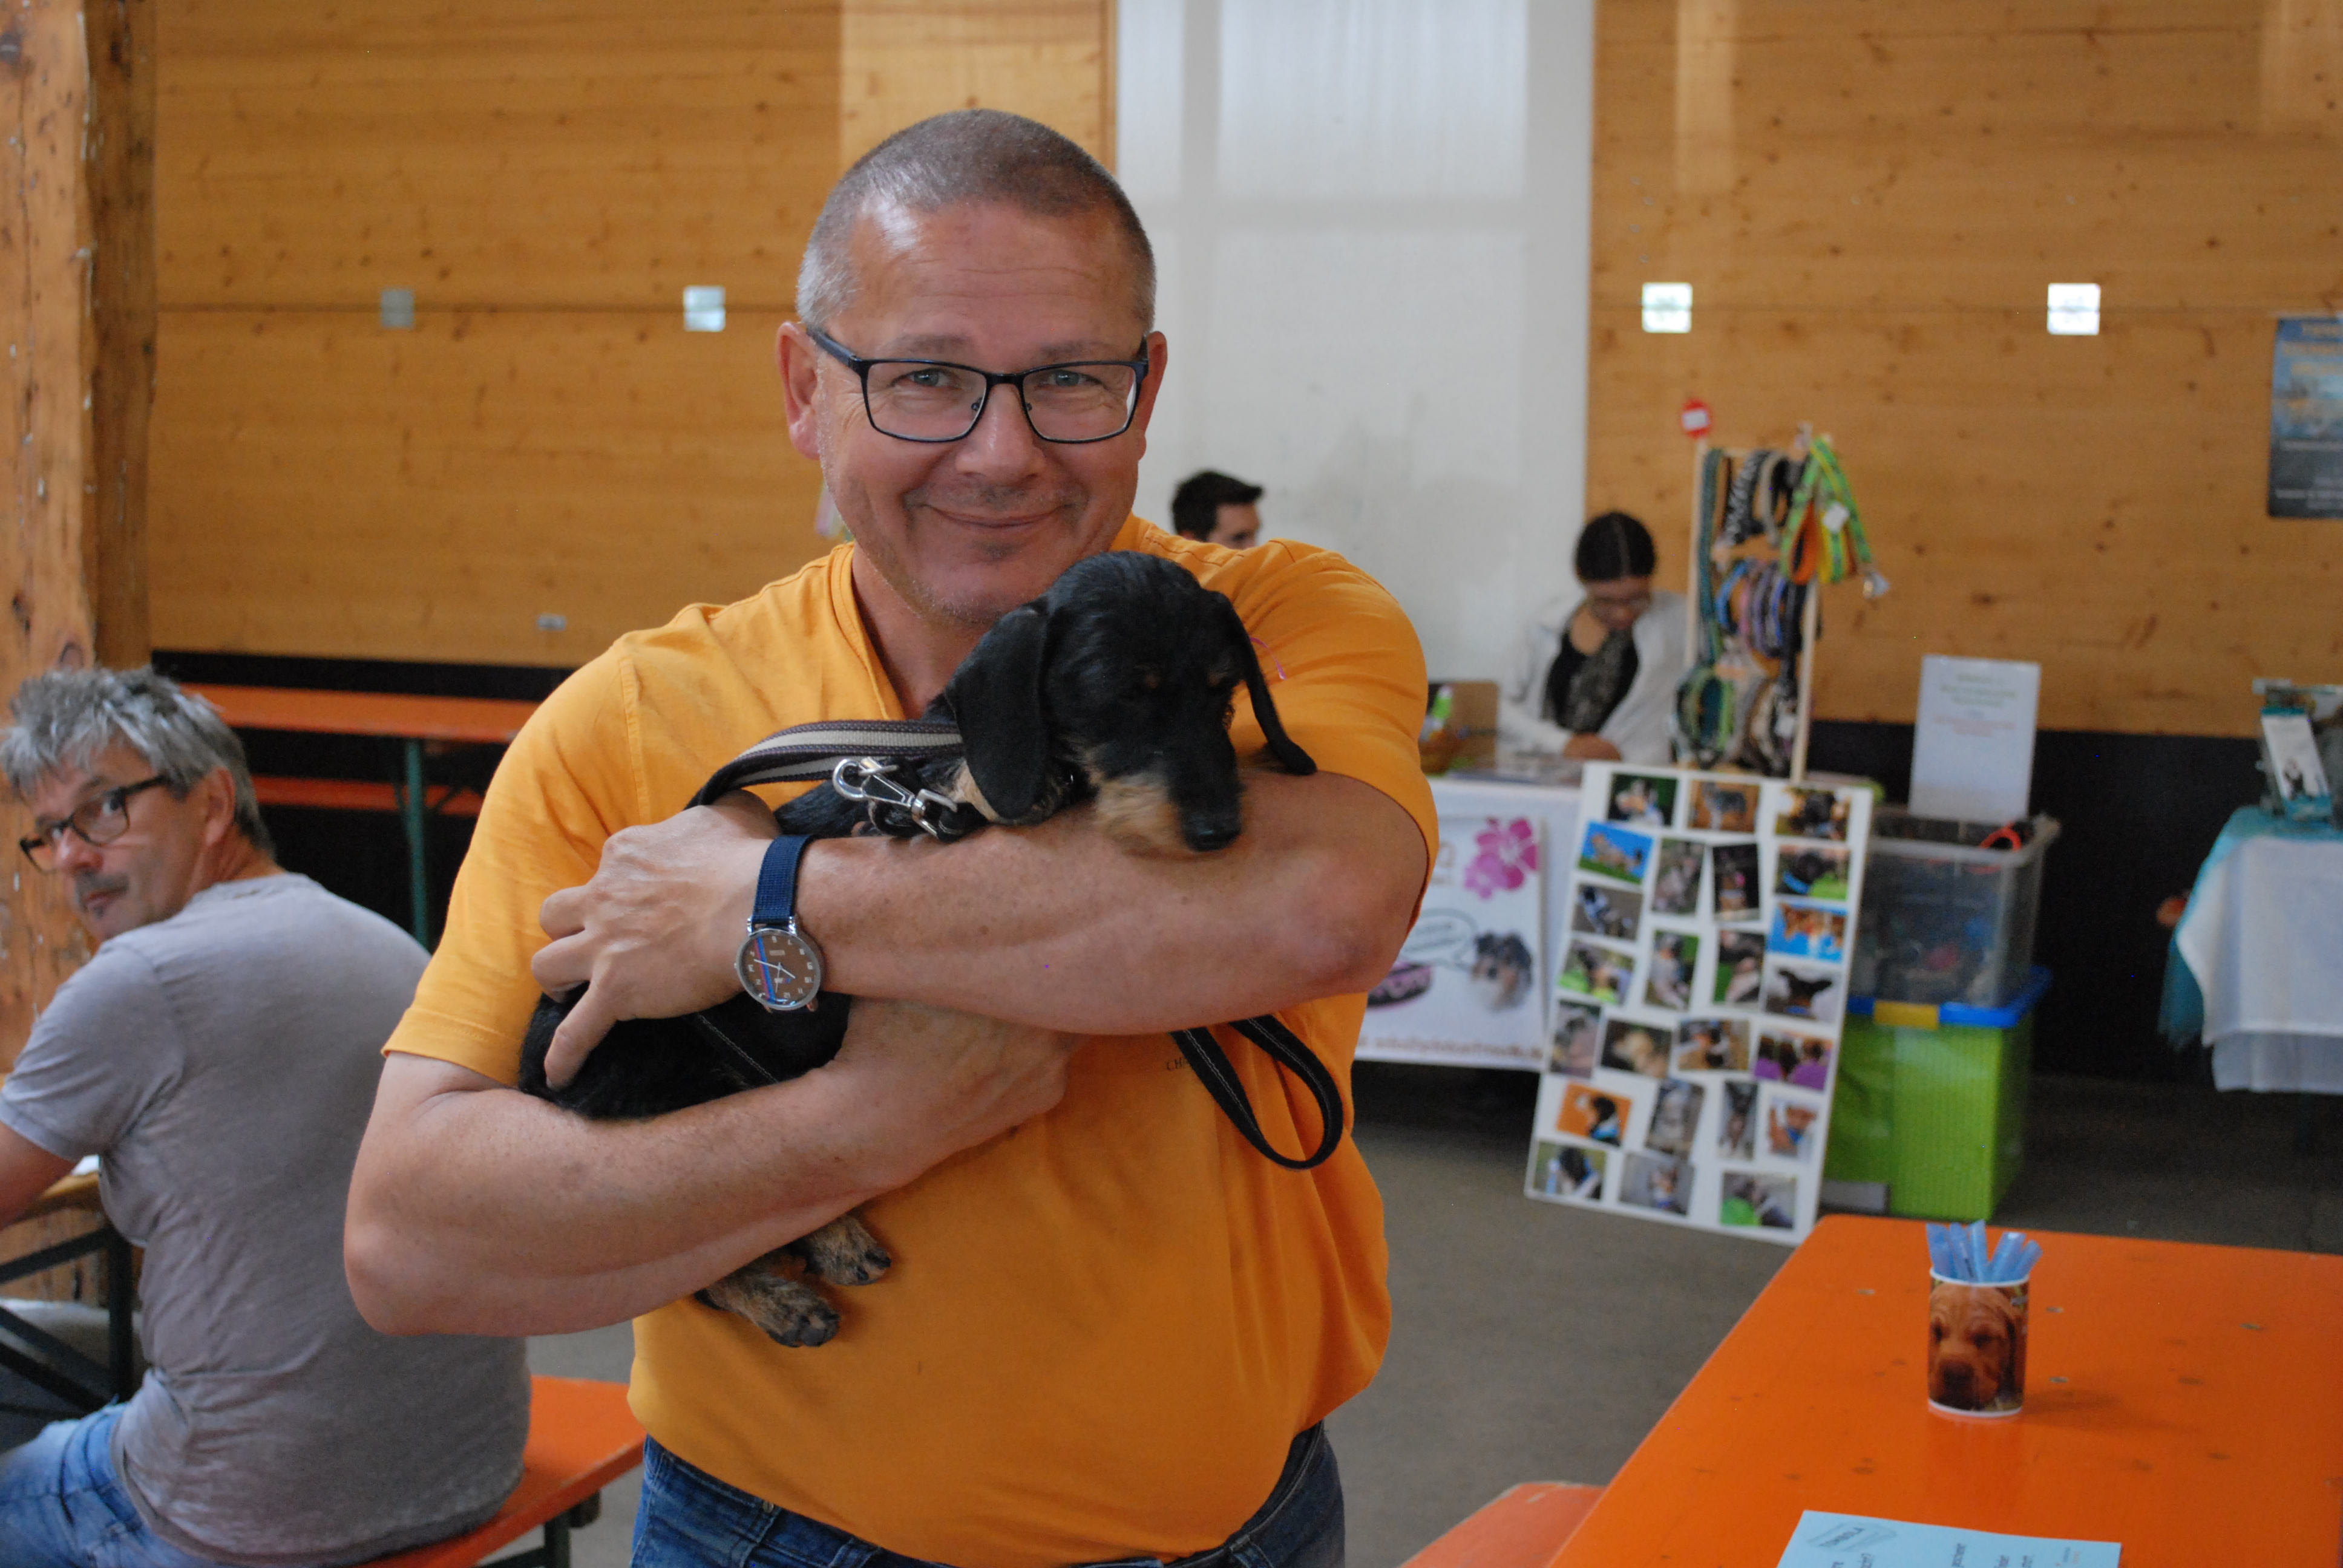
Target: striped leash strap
column 805, row 753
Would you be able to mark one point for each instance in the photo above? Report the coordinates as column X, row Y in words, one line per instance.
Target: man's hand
column 1590, row 749
column 655, row 932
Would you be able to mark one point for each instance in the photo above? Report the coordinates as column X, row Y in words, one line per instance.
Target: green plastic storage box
column 1930, row 1104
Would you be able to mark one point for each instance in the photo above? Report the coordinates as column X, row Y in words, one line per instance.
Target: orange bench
column 581, row 1438
column 411, row 720
column 1523, row 1528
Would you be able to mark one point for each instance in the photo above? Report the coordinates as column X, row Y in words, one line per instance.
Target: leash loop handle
column 1286, row 1048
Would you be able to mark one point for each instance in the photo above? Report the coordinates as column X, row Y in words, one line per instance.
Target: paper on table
column 1850, row 1541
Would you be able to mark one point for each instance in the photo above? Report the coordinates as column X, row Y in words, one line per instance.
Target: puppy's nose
column 1205, row 837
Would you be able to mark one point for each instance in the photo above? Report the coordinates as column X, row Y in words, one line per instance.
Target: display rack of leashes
column 1769, row 526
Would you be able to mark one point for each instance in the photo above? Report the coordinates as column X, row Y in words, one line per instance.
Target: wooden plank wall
column 547, row 442
column 1870, row 200
column 76, row 315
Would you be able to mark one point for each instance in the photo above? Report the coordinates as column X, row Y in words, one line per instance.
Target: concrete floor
column 1534, row 1342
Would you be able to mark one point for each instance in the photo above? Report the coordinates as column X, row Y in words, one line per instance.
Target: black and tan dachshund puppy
column 1115, row 687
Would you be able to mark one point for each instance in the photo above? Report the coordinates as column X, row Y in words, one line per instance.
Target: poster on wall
column 1697, row 1006
column 1468, row 989
column 2305, row 458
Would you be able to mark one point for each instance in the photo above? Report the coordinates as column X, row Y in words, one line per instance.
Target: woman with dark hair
column 1597, row 673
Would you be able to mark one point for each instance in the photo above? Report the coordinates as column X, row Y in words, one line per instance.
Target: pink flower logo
column 1509, row 854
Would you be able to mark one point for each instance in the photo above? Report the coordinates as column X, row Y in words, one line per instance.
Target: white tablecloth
column 2264, row 937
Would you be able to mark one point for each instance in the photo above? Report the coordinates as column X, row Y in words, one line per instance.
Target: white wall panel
column 1371, row 218
column 1378, row 98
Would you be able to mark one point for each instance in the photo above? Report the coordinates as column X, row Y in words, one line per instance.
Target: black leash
column 859, row 756
column 1284, row 1048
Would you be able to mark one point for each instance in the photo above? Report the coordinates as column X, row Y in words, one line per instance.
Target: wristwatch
column 778, row 964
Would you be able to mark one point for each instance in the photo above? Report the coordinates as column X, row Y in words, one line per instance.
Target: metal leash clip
column 871, row 780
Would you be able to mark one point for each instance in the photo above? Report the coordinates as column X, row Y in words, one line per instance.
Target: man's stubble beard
column 974, row 610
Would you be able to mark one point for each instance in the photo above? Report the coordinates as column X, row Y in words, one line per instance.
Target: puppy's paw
column 844, row 1252
column 789, row 1312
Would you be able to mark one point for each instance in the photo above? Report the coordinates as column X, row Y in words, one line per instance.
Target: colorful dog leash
column 859, row 757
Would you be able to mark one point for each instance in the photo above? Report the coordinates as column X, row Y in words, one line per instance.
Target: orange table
column 475, row 720
column 2184, row 1401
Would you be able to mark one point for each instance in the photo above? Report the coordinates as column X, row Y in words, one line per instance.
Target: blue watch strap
column 777, row 881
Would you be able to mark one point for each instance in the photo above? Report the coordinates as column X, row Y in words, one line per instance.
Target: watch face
column 780, row 968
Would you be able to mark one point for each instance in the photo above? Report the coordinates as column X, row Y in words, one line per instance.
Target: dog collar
column 779, row 963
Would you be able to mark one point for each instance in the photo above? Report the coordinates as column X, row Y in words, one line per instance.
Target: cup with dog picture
column 1977, row 1346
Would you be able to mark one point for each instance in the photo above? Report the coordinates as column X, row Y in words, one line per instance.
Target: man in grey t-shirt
column 220, row 1052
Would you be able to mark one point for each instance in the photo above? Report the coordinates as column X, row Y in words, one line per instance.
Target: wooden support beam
column 76, row 314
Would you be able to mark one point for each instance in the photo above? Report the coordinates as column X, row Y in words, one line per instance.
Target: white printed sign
column 1973, row 748
column 1468, row 988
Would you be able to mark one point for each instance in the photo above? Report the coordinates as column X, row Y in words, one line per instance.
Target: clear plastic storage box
column 1944, row 920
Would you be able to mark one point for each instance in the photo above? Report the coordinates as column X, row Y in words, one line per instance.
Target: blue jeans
column 689, row 1519
column 62, row 1506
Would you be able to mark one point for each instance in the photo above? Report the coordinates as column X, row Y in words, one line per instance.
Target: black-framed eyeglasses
column 100, row 819
column 935, row 400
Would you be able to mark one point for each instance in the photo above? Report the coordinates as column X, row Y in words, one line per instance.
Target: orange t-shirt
column 1102, row 1329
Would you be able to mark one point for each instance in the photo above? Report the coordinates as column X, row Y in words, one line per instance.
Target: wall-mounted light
column 2074, row 310
column 1667, row 308
column 399, row 309
column 703, row 308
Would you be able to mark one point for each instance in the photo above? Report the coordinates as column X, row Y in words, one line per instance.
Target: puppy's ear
column 995, row 697
column 1290, row 757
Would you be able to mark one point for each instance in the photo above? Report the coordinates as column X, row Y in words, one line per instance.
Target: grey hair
column 64, row 718
column 967, row 156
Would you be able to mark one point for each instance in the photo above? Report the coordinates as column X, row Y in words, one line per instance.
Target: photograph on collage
column 1771, row 1202
column 1801, row 990
column 1578, row 1040
column 1713, row 1045
column 1797, row 1060
column 1658, row 1181
column 1593, row 1115
column 1725, row 808
column 1593, row 970
column 1614, row 851
column 1813, row 814
column 1740, row 966
column 1667, row 982
column 1644, row 802
column 1801, row 871
column 1600, row 910
column 1790, row 1127
column 1736, row 1129
column 1676, row 1118
column 1567, row 1170
column 1803, row 931
column 1637, row 1048
column 1675, row 886
column 1735, row 875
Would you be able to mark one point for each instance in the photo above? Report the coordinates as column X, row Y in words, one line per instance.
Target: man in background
column 219, row 1054
column 1218, row 509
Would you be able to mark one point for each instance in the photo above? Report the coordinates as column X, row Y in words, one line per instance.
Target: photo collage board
column 1696, row 1011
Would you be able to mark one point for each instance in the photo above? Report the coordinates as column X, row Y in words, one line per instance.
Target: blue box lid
column 1953, row 1014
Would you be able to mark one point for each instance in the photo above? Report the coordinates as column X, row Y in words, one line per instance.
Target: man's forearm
column 475, row 1210
column 1058, row 926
